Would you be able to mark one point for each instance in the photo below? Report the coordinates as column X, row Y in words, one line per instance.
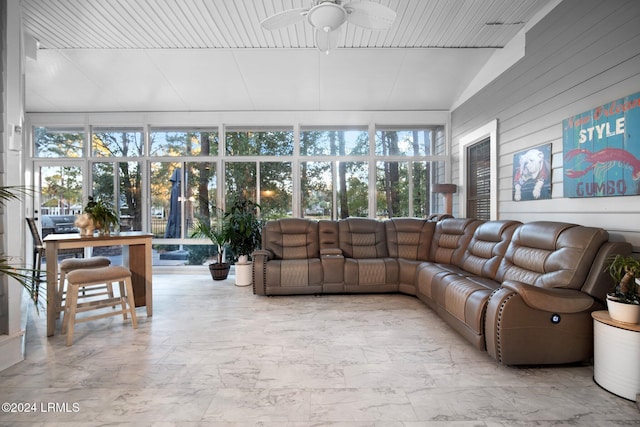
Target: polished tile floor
column 213, row 354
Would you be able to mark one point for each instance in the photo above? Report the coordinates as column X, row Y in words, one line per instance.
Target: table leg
column 137, row 257
column 52, row 278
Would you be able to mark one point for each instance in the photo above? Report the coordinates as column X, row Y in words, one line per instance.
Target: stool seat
column 70, row 264
column 98, row 275
column 88, row 277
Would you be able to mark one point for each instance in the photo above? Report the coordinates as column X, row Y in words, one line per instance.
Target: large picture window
column 162, row 179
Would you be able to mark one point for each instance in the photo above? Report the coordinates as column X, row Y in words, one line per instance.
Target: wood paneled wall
column 583, row 54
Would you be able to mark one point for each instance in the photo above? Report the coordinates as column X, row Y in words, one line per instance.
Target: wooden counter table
column 136, row 255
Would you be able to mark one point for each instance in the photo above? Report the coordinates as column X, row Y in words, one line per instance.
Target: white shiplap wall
column 583, row 54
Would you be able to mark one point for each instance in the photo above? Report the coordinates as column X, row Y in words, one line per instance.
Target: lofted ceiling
column 213, row 55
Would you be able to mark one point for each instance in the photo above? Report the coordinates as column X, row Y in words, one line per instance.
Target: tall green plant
column 244, row 228
column 26, row 277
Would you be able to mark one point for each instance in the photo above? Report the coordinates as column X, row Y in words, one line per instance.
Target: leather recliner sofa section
column 522, row 292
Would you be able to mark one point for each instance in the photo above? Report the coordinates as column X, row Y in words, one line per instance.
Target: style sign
column 601, row 150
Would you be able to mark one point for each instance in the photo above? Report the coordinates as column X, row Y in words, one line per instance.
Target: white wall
column 12, row 339
column 583, row 54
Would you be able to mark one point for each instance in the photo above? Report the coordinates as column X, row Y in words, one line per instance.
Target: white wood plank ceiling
column 163, row 55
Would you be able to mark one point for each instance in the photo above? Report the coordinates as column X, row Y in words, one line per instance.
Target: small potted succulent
column 624, row 302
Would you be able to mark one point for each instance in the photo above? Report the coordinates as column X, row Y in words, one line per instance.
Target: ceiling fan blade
column 327, row 40
column 282, row 19
column 370, row 15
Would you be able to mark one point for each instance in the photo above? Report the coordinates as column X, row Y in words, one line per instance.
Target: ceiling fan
column 327, row 16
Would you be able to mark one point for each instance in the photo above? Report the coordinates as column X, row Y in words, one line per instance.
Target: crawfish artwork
column 600, row 162
column 603, row 160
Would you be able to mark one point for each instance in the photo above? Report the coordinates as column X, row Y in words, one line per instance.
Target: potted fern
column 624, row 302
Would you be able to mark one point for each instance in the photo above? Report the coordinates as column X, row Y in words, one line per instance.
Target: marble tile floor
column 214, row 354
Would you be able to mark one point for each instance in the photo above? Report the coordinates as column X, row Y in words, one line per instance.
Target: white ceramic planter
column 627, row 313
column 243, row 274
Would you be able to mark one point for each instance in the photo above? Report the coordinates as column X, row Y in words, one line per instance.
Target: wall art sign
column 532, row 174
column 601, row 150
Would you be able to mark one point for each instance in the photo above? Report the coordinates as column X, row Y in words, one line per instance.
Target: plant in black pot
column 244, row 230
column 624, row 302
column 218, row 235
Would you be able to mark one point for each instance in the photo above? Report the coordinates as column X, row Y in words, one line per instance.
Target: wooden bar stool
column 70, row 264
column 80, row 278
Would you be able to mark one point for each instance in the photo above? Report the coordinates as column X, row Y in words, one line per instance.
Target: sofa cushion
column 487, row 247
column 409, row 238
column 451, row 238
column 362, row 238
column 551, row 254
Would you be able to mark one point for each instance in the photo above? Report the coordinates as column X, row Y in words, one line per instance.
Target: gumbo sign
column 602, row 150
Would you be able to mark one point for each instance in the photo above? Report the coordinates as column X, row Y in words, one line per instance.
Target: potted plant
column 624, row 302
column 102, row 214
column 218, row 236
column 245, row 235
column 27, row 277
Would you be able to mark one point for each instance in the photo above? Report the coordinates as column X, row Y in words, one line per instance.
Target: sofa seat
column 461, row 301
column 294, row 276
column 459, row 293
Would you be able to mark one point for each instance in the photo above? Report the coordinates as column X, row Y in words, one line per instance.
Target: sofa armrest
column 260, row 258
column 265, row 253
column 551, row 299
column 330, row 252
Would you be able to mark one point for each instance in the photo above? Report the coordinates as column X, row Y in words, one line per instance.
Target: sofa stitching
column 498, row 329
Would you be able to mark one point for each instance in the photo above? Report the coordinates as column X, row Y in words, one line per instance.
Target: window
column 276, row 189
column 353, row 189
column 58, row 142
column 181, row 192
column 183, row 142
column 479, row 180
column 316, row 180
column 409, row 142
column 61, row 190
column 259, row 142
column 334, row 142
column 117, row 142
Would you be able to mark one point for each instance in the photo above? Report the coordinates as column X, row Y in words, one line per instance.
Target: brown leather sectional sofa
column 522, row 292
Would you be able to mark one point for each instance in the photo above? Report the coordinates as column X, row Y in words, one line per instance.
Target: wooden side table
column 616, row 347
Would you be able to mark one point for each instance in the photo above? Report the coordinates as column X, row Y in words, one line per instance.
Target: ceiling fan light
column 327, row 16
